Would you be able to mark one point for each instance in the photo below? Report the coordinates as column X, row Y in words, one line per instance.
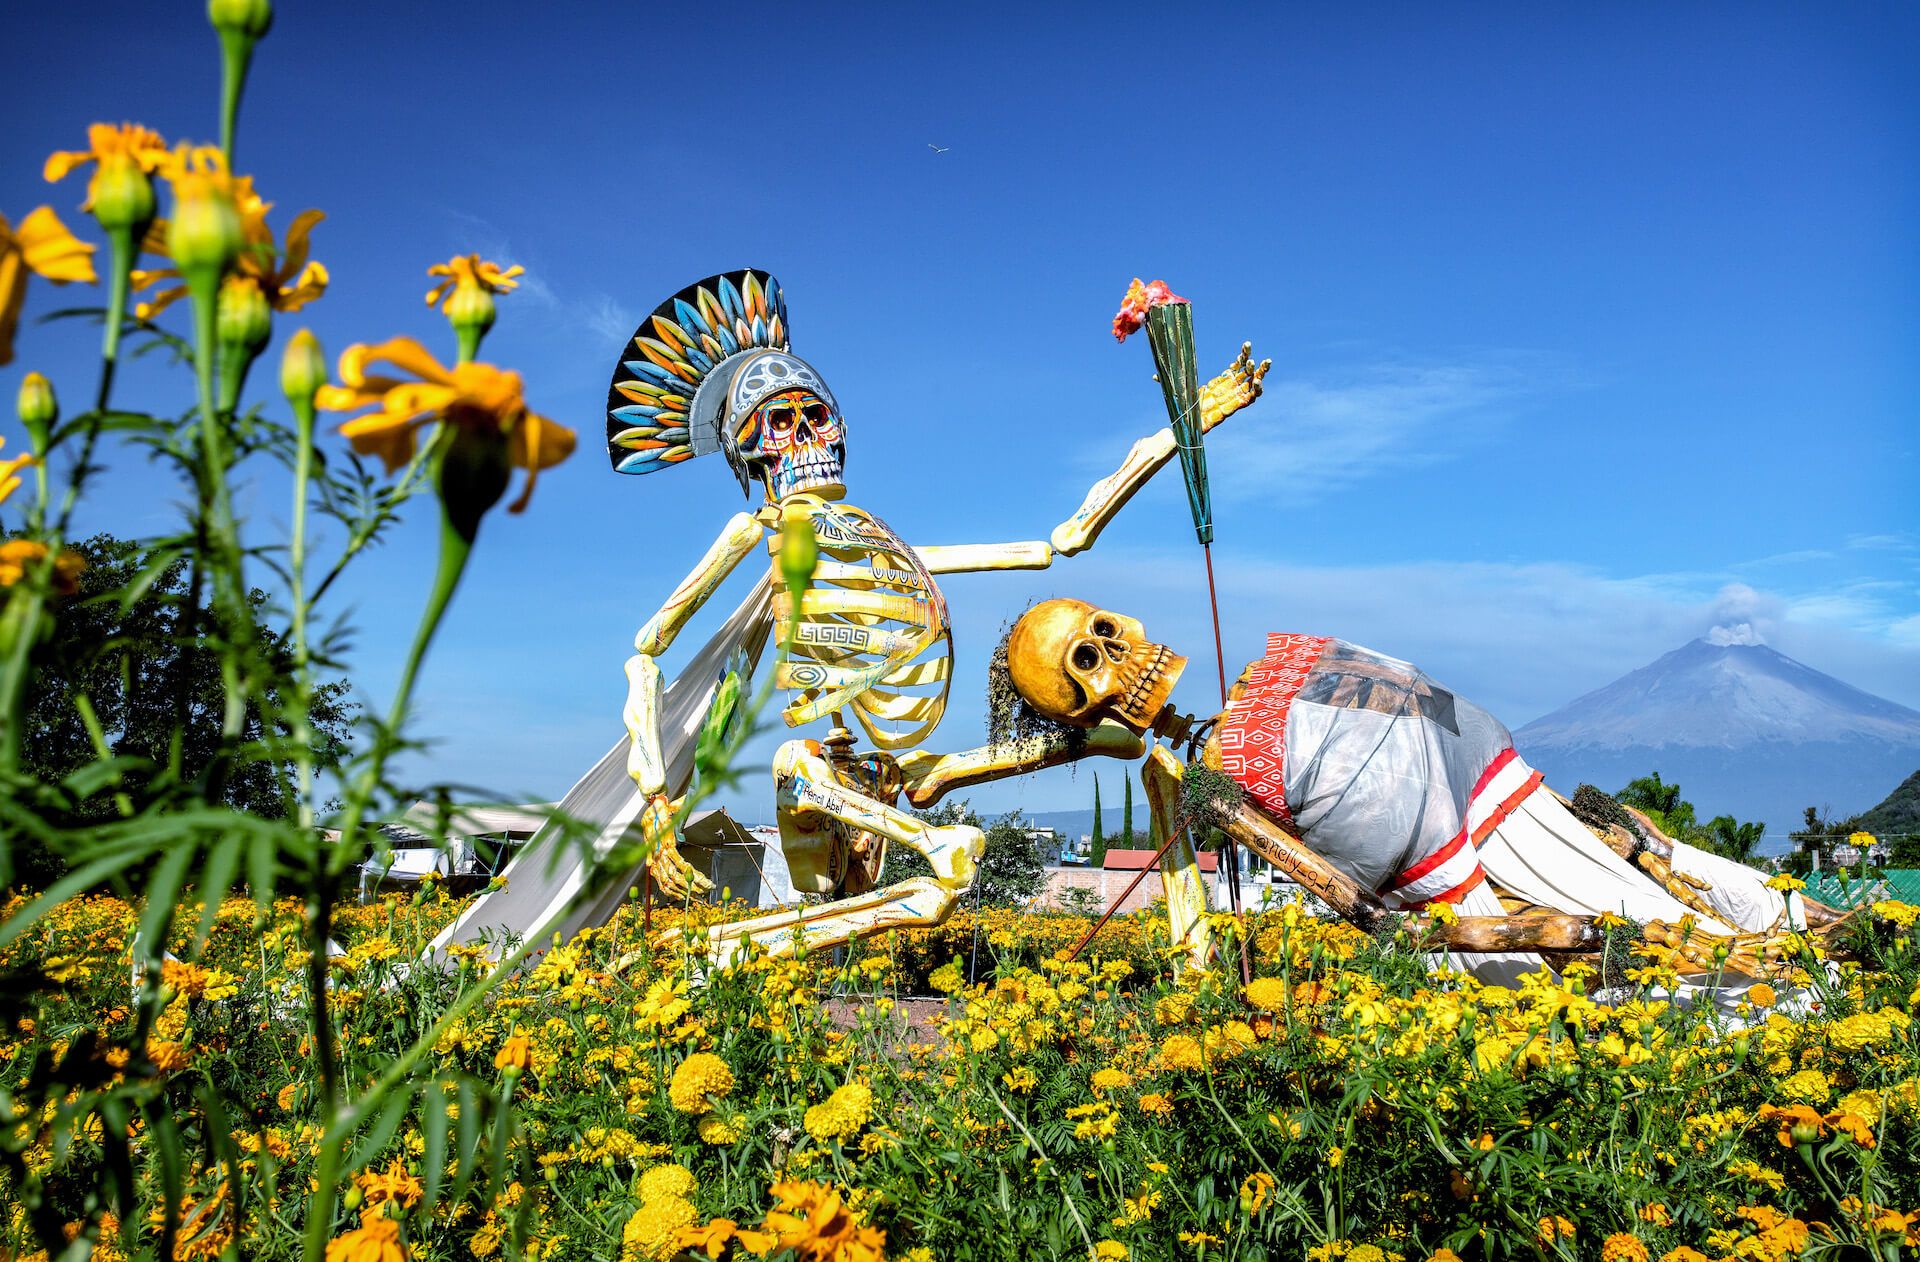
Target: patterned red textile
column 1253, row 738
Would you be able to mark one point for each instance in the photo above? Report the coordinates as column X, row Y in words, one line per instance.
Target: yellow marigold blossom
column 1335, row 1155
column 168, row 1057
column 1269, row 994
column 476, row 399
column 1758, row 1174
column 1201, row 1239
column 718, row 1131
column 515, row 1054
column 1860, row 1032
column 1623, row 1246
column 1172, row 1009
column 1901, row 914
column 376, row 1239
column 1685, row 1253
column 1181, row 1052
column 1110, row 1079
column 10, row 471
column 654, row 1229
column 1020, row 1079
column 1761, row 995
column 699, row 1080
column 1110, row 1251
column 42, row 246
column 1254, row 1191
column 17, row 556
column 1865, row 1103
column 1553, row 1227
column 815, row 1221
column 1852, row 1126
column 109, row 144
column 1809, row 1086
column 1138, row 1208
column 204, row 231
column 1656, row 1213
column 1443, row 1255
column 665, row 1181
column 1366, row 1253
column 1155, row 1104
column 1785, row 882
column 948, row 978
column 842, row 1114
column 287, row 279
column 464, row 271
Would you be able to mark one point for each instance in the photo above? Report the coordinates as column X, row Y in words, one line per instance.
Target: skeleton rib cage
column 873, row 633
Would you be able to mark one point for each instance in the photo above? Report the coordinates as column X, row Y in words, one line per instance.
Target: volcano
column 1744, row 729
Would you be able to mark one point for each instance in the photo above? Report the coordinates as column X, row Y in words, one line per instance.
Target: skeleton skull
column 794, row 441
column 1079, row 665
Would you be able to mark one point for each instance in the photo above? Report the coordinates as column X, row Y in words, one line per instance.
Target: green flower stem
column 468, row 336
column 203, row 285
column 122, row 246
column 301, row 720
column 236, row 56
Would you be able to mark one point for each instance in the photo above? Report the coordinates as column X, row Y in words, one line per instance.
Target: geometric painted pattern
column 1253, row 737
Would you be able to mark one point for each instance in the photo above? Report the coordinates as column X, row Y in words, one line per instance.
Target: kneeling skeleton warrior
column 711, row 370
column 1378, row 790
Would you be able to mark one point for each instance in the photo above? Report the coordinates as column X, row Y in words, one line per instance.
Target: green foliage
column 1675, row 816
column 1126, row 836
column 122, row 655
column 1098, row 857
column 1011, row 871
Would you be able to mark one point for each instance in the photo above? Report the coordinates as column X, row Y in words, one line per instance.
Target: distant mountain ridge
column 1743, row 728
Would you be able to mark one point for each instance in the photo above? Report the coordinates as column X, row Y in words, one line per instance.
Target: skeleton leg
column 1179, row 867
column 812, row 804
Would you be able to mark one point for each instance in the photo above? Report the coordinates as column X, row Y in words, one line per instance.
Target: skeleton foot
column 909, row 904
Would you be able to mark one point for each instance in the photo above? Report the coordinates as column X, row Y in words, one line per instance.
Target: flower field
column 1349, row 1103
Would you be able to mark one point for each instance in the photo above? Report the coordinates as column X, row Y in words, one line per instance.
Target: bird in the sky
column 938, row 148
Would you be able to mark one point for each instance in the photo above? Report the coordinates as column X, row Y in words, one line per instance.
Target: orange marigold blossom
column 17, row 555
column 40, row 246
column 204, row 233
column 478, row 400
column 10, row 470
column 516, row 1055
column 376, row 1239
column 113, row 147
column 470, row 271
column 288, row 279
column 1798, row 1123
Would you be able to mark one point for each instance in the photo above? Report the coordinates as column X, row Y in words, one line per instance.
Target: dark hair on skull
column 1010, row 720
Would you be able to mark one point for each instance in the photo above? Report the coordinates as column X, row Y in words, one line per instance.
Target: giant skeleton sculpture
column 711, row 370
column 1380, row 791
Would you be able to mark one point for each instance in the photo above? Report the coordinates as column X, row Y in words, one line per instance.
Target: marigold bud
column 303, row 368
column 242, row 320
column 249, row 18
column 204, row 232
column 38, row 409
column 470, row 307
column 122, row 194
column 799, row 549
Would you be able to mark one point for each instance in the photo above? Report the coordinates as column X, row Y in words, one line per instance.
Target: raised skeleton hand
column 1233, row 389
column 676, row 877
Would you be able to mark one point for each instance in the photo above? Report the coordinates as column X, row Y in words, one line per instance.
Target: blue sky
column 1591, row 329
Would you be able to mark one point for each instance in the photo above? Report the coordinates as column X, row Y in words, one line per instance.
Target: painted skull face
column 1079, row 665
column 794, row 441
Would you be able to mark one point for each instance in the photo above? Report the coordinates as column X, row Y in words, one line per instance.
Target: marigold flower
column 391, row 1184
column 1254, row 1191
column 10, row 471
column 18, row 556
column 698, row 1081
column 654, row 1229
column 1269, row 994
column 286, row 279
column 1798, row 1123
column 1140, row 299
column 167, row 1057
column 1181, row 1052
column 1155, row 1104
column 38, row 409
column 1366, row 1253
column 1853, row 1126
column 478, row 400
column 1110, row 1251
column 671, row 1180
column 120, row 192
column 1622, row 1246
column 1785, row 882
column 842, row 1115
column 1761, row 995
column 516, row 1055
column 718, row 1131
column 42, row 246
column 376, row 1239
column 1809, row 1085
column 813, row 1220
column 204, row 233
column 1555, row 1226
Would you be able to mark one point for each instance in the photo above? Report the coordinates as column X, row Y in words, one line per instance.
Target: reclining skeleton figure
column 1378, row 790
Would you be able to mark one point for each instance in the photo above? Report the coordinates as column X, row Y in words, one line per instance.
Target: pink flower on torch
column 1139, row 300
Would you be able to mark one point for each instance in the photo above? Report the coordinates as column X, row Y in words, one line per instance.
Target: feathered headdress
column 710, row 353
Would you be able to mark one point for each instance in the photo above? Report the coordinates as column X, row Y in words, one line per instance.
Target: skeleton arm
column 642, row 714
column 1226, row 394
column 931, row 776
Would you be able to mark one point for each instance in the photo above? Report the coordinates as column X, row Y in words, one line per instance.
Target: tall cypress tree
column 1098, row 857
column 1128, row 811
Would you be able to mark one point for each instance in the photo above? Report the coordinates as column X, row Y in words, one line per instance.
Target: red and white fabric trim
column 1253, row 738
column 1446, row 875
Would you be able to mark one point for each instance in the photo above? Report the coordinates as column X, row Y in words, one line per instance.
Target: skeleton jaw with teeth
column 794, row 442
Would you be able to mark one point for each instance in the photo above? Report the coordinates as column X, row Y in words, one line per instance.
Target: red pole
column 1127, row 893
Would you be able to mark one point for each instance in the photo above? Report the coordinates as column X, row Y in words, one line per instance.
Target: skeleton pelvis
column 826, row 854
